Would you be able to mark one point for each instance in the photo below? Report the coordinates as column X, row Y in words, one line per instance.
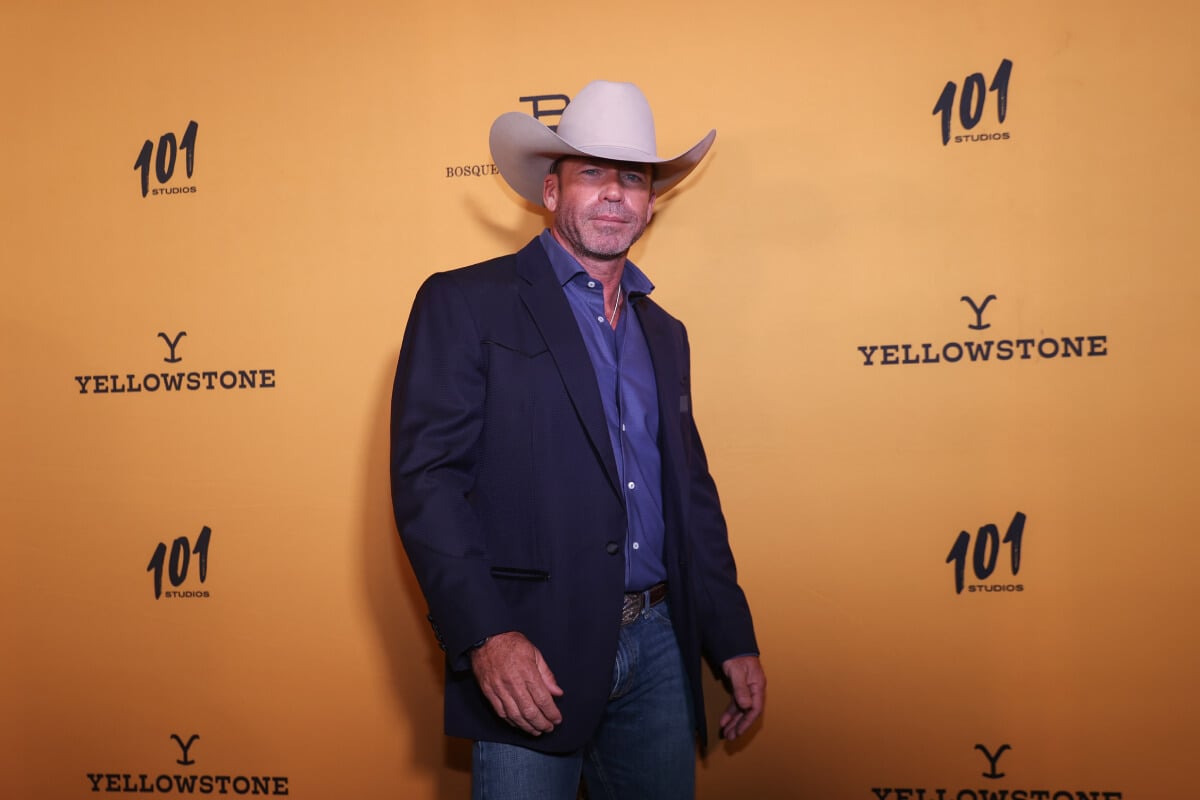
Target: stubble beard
column 599, row 246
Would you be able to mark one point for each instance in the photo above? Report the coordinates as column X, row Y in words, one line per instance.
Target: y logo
column 172, row 343
column 185, row 747
column 978, row 309
column 992, row 759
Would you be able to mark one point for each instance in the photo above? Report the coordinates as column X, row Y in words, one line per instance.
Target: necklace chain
column 616, row 305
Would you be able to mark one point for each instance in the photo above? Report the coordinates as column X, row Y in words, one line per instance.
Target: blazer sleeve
column 436, row 421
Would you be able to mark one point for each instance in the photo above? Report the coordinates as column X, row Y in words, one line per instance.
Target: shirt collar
column 566, row 267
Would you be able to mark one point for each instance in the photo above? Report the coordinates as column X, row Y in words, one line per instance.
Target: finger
column 536, row 718
column 742, row 695
column 730, row 712
column 542, row 696
column 511, row 703
column 737, row 719
column 748, row 719
column 525, row 715
column 729, row 720
column 544, row 713
column 754, row 711
column 497, row 704
column 751, row 709
column 531, row 704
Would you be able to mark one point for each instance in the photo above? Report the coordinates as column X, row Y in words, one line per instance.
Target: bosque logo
column 985, row 555
column 164, row 158
column 175, row 380
column 988, row 349
column 971, row 104
column 178, row 564
column 990, row 791
column 559, row 103
column 542, row 106
column 174, row 782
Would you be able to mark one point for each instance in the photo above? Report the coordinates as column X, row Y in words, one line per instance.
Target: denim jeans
column 644, row 749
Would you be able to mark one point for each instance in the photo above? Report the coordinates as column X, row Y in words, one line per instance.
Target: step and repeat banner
column 940, row 278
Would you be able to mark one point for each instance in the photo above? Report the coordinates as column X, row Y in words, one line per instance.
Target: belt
column 636, row 601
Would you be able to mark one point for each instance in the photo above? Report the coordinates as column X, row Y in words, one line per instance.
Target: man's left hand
column 748, row 683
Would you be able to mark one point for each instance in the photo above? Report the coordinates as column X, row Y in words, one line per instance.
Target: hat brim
column 523, row 149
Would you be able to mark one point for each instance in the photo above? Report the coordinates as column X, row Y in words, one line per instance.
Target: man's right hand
column 517, row 682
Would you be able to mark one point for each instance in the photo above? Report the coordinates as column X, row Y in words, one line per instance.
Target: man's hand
column 749, row 685
column 517, row 682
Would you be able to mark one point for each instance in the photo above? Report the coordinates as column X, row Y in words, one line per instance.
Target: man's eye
column 634, row 177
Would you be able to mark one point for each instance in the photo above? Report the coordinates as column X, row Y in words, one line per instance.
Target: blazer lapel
column 544, row 298
column 673, row 397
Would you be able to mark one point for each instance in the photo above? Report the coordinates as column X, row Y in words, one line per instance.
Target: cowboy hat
column 605, row 120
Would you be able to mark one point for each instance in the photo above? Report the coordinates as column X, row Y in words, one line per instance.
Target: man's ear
column 550, row 192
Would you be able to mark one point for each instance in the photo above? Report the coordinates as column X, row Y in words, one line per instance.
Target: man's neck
column 606, row 270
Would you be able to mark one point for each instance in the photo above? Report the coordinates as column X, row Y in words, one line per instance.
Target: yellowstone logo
column 171, row 358
column 971, row 105
column 992, row 759
column 185, row 746
column 167, row 381
column 984, row 350
column 164, row 158
column 180, row 784
column 979, row 324
column 990, row 791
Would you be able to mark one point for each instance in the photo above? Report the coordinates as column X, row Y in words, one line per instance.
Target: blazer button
column 613, row 548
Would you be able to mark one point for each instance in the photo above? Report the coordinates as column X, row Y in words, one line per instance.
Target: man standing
column 551, row 489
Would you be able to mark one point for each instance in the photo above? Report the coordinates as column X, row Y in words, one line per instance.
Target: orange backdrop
column 211, row 553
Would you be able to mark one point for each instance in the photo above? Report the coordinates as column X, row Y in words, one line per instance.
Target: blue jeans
column 644, row 749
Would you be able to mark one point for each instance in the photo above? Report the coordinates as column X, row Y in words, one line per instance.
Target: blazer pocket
column 520, row 573
column 531, row 349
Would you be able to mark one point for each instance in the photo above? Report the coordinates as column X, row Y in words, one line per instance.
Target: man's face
column 600, row 207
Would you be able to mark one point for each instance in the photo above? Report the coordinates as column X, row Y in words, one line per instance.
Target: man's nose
column 613, row 190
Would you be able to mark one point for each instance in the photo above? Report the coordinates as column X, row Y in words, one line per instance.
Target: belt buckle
column 631, row 607
column 637, row 602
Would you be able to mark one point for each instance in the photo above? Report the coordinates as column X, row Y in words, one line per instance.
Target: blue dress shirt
column 629, row 392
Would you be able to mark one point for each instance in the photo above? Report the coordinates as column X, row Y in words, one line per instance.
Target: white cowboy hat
column 605, row 120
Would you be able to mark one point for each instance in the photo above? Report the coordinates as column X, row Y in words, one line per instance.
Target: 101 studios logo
column 971, row 104
column 163, row 158
column 985, row 555
column 176, row 564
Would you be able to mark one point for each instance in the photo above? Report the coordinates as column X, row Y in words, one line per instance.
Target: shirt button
column 622, row 426
column 591, row 284
column 601, row 319
column 632, row 485
column 612, row 548
column 636, row 546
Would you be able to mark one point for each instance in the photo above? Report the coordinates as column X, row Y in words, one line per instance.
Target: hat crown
column 605, row 114
column 606, row 120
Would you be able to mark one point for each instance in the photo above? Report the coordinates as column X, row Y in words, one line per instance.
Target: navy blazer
column 506, row 496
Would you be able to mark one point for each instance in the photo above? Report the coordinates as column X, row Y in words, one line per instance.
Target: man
column 551, row 489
